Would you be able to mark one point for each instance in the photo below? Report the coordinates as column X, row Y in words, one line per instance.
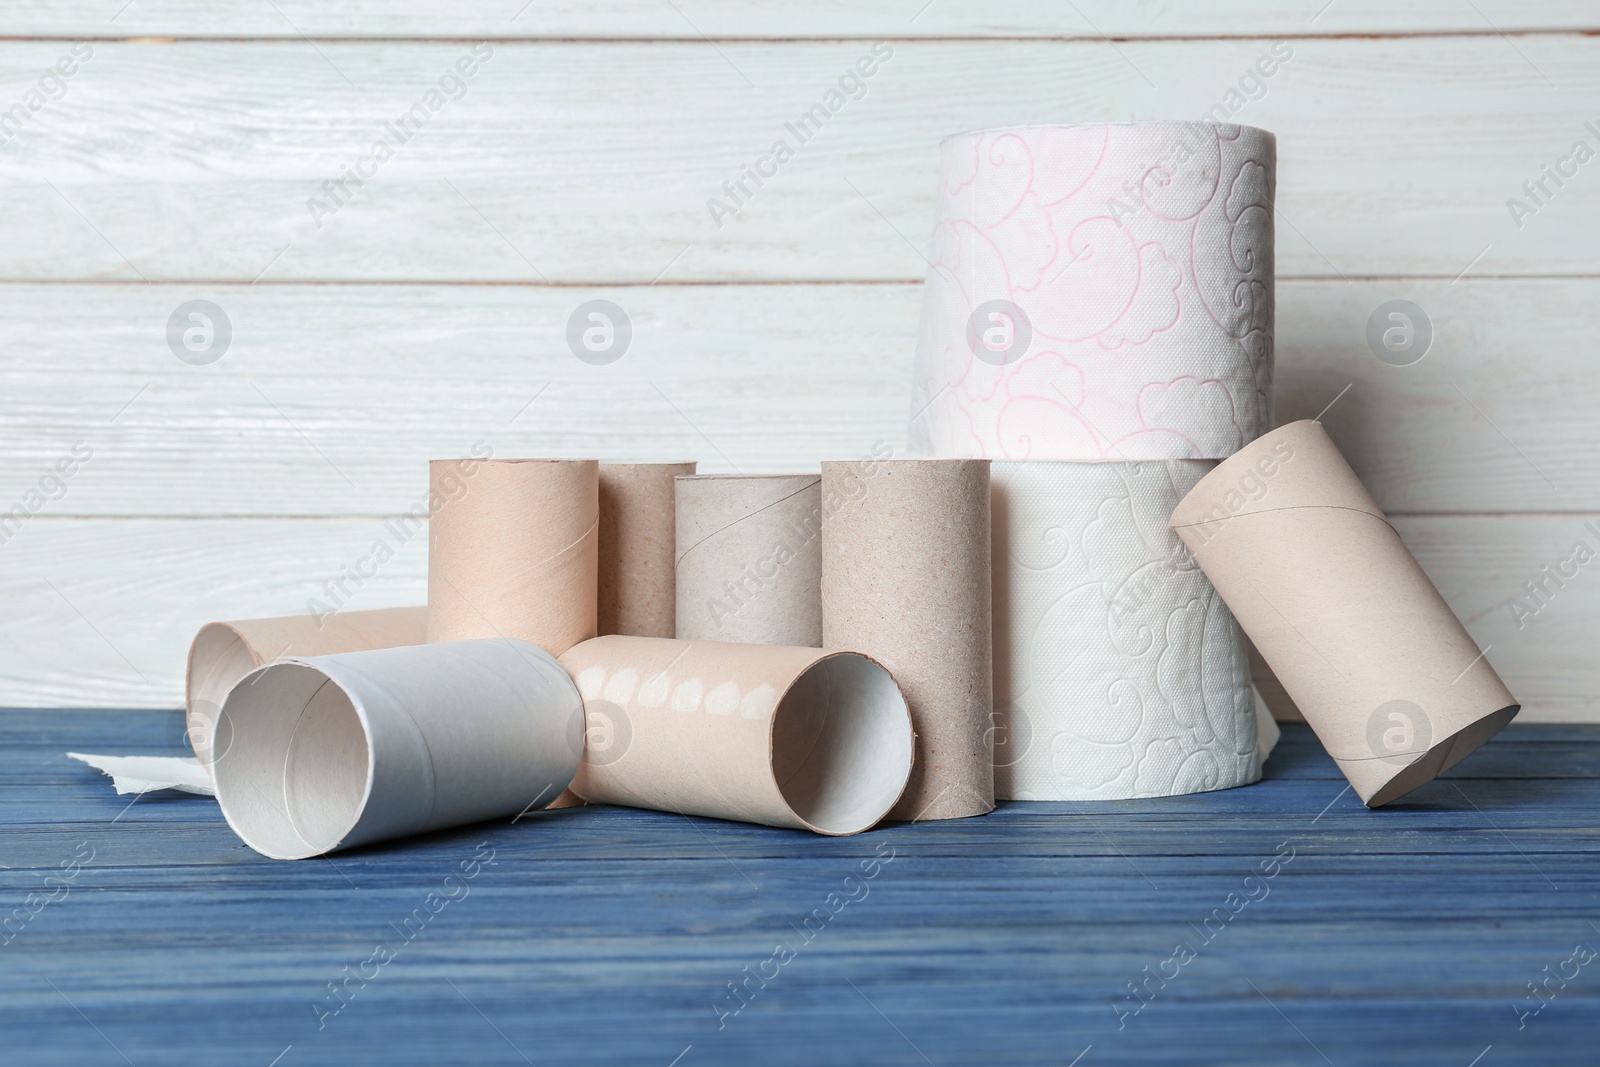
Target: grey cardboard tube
column 329, row 752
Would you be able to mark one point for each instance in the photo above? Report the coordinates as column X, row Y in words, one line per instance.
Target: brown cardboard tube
column 327, row 752
column 224, row 652
column 638, row 517
column 1392, row 683
column 795, row 737
column 749, row 558
column 905, row 579
column 513, row 551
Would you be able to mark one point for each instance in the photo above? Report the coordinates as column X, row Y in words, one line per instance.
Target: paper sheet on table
column 150, row 774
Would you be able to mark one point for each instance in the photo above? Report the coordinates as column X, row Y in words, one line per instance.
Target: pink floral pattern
column 1141, row 254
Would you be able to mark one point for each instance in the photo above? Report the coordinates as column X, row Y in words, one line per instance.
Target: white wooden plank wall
column 186, row 156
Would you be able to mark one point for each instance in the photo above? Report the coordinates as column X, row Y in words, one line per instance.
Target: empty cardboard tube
column 638, row 517
column 224, row 652
column 905, row 579
column 1394, row 686
column 514, row 551
column 329, row 752
column 794, row 737
column 749, row 558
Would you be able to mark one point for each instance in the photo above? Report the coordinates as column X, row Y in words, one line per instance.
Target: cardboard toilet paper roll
column 1098, row 291
column 905, row 579
column 1119, row 672
column 797, row 737
column 224, row 652
column 1392, row 683
column 514, row 551
column 329, row 752
column 749, row 562
column 638, row 520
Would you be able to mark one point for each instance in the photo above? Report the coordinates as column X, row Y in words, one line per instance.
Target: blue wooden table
column 1278, row 924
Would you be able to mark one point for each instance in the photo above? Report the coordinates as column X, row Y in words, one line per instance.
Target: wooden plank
column 730, row 19
column 1007, row 938
column 102, row 610
column 595, row 162
column 327, row 383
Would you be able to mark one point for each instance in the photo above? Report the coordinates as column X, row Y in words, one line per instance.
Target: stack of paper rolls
column 1098, row 319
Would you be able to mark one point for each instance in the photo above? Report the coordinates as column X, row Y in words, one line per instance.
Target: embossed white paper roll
column 1098, row 291
column 1119, row 672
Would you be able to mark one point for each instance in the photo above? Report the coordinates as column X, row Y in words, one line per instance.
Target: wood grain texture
column 187, row 149
column 103, row 609
column 722, row 19
column 603, row 935
column 331, row 399
column 595, row 162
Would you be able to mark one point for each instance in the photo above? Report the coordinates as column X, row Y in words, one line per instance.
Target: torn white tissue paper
column 147, row 774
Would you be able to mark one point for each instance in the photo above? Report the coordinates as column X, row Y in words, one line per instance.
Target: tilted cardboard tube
column 513, row 552
column 905, row 579
column 329, row 752
column 638, row 517
column 749, row 558
column 1392, row 683
column 797, row 737
column 224, row 652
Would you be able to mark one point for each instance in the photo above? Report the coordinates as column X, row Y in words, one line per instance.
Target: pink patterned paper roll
column 1098, row 291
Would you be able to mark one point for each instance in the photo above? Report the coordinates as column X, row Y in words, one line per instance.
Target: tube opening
column 842, row 744
column 218, row 658
column 1442, row 756
column 298, row 770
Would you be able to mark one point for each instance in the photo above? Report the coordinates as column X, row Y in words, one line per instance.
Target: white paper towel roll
column 1099, row 291
column 1118, row 670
